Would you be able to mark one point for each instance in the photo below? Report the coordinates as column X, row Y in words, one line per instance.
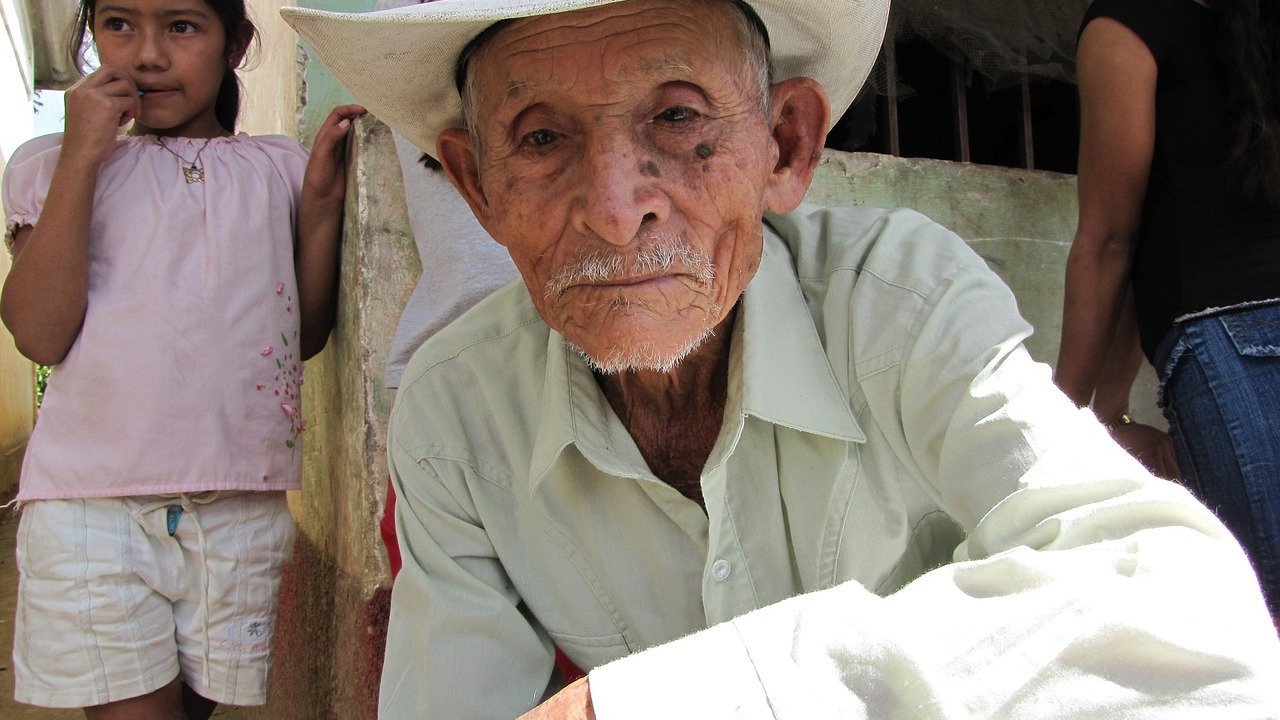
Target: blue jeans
column 1220, row 392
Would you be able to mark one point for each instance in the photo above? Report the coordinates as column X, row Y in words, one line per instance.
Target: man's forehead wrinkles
column 626, row 62
column 654, row 39
column 628, row 16
column 516, row 88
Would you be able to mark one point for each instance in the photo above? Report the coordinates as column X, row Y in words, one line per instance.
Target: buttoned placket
column 727, row 590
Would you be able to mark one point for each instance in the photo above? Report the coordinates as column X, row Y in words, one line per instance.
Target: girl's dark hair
column 1248, row 45
column 236, row 25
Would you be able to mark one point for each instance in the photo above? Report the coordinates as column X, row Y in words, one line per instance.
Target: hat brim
column 399, row 63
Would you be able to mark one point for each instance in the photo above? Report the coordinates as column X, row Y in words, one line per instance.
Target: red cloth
column 387, row 527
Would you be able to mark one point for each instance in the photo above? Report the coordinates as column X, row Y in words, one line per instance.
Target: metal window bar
column 960, row 75
column 1025, row 134
column 891, row 98
column 960, row 110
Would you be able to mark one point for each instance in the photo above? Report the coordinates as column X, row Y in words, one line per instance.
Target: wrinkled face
column 175, row 51
column 623, row 160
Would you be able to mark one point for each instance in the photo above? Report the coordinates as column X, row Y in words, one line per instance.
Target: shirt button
column 720, row 570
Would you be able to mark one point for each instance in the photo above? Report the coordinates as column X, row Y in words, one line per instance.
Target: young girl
column 176, row 277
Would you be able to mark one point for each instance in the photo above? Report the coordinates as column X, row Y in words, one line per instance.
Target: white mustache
column 659, row 255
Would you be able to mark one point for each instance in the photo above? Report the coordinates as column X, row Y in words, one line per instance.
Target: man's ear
column 799, row 122
column 458, row 159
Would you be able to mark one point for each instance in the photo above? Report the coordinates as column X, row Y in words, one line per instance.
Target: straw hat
column 400, row 63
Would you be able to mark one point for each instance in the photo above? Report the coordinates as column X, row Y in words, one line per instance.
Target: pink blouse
column 186, row 374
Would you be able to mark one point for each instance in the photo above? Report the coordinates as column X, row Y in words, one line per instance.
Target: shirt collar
column 784, row 378
column 787, row 378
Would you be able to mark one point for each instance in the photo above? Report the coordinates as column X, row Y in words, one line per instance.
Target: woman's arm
column 1099, row 354
column 1117, row 79
column 320, row 228
column 46, row 293
column 1151, row 446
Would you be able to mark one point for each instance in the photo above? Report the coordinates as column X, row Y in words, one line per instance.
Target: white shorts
column 112, row 606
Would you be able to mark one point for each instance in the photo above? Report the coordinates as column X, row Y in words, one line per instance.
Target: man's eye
column 677, row 114
column 182, row 27
column 540, row 138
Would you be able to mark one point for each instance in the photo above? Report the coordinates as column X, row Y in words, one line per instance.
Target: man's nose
column 620, row 191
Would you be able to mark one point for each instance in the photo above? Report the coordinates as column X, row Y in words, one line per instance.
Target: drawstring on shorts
column 174, row 511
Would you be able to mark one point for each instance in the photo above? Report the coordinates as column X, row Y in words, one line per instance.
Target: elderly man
column 795, row 468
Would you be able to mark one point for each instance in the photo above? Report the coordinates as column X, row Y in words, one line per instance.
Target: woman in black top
column 1177, row 251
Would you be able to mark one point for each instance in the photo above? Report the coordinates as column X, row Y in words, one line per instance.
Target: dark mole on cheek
column 650, row 168
column 703, row 150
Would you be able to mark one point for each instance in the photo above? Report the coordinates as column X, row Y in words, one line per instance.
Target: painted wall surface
column 269, row 77
column 335, row 596
column 1020, row 221
column 17, row 374
column 50, row 23
column 318, row 90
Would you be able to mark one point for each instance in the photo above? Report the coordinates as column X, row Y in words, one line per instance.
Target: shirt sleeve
column 26, row 183
column 458, row 630
column 290, row 160
column 1150, row 21
column 1086, row 587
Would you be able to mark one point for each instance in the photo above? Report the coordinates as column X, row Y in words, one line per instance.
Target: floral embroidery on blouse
column 286, row 384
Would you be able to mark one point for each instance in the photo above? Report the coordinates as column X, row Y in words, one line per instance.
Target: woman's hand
column 1148, row 445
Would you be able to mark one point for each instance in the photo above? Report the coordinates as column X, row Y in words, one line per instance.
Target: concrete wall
column 17, row 374
column 335, row 596
column 50, row 23
column 269, row 77
column 334, row 605
column 1020, row 221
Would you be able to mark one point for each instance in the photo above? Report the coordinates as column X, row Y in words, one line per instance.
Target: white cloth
column 460, row 262
column 186, row 373
column 881, row 410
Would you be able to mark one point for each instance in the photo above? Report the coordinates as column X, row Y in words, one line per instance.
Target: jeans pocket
column 1255, row 333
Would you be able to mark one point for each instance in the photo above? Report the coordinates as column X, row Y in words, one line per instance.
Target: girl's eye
column 183, row 27
column 539, row 138
column 115, row 24
column 677, row 114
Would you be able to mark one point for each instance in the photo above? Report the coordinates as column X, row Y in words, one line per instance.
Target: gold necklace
column 193, row 170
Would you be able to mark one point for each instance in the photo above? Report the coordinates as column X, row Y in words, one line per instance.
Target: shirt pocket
column 590, row 651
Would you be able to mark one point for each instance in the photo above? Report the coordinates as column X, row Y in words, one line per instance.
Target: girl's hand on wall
column 97, row 106
column 320, row 228
column 325, row 181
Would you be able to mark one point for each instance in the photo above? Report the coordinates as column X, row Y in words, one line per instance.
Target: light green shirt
column 881, row 409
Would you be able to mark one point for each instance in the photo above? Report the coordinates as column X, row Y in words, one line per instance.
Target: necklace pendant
column 193, row 174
